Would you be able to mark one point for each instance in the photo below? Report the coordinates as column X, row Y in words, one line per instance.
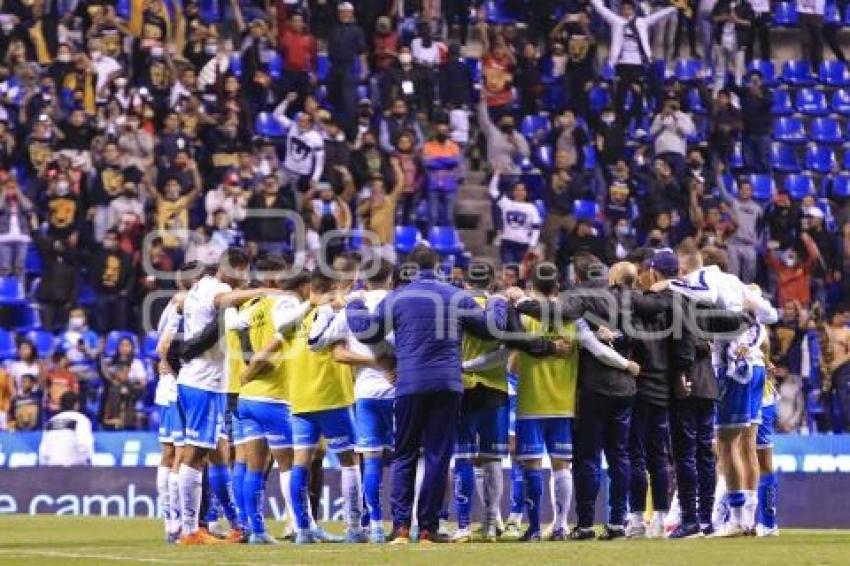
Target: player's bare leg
column 751, row 478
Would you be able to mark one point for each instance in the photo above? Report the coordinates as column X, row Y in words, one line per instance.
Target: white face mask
column 121, row 83
column 62, row 187
column 210, row 49
column 64, row 57
column 156, row 51
column 95, row 55
column 76, row 322
column 405, row 58
column 606, row 119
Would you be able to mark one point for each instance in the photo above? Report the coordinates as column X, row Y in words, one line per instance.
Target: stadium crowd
column 135, row 135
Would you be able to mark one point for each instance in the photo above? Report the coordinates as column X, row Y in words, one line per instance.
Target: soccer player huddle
column 661, row 363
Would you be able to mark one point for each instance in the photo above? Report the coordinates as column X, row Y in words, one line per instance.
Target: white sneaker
column 762, row 531
column 731, row 530
column 218, row 529
column 462, row 535
column 444, row 528
column 512, row 530
column 636, row 530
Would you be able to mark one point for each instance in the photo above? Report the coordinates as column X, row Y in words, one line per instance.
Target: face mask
column 264, row 168
column 121, row 83
column 62, row 187
column 210, row 49
column 156, row 52
column 64, row 57
column 95, row 55
column 623, row 231
column 76, row 322
column 790, row 260
column 7, row 27
column 405, row 58
column 607, row 119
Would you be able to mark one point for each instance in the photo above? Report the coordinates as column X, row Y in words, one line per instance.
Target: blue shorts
column 767, row 427
column 375, row 428
column 740, row 403
column 336, row 425
column 265, row 420
column 536, row 437
column 170, row 425
column 512, row 415
column 203, row 415
column 483, row 433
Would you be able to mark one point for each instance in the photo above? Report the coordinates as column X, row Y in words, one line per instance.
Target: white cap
column 814, row 212
column 345, row 6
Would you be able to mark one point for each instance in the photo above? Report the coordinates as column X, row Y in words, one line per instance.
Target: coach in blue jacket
column 428, row 318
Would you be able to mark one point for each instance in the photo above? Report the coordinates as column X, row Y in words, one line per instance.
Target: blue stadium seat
column 785, row 14
column 841, row 102
column 323, row 67
column 534, row 183
column 783, row 158
column 11, row 290
column 406, row 238
column 210, row 11
column 826, row 130
column 8, row 350
column 846, row 160
column 781, row 105
column 600, row 97
column 149, row 346
column 841, row 186
column 585, row 209
column 534, row 126
column 797, row 73
column 694, row 102
column 28, row 316
column 85, row 295
column 819, row 158
column 828, row 215
column 497, row 14
column 811, row 102
column 789, row 129
column 762, row 186
column 266, row 125
column 114, row 337
column 544, row 156
column 554, row 97
column 831, row 15
column 590, row 160
column 122, row 9
column 235, row 65
column 736, row 158
column 44, row 341
column 445, row 240
column 767, row 70
column 834, row 73
column 687, row 70
column 799, row 186
column 275, row 65
column 32, row 262
column 354, row 240
column 474, row 65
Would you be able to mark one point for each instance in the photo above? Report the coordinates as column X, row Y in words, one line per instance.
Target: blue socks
column 768, row 496
column 255, row 490
column 299, row 480
column 373, row 471
column 221, row 486
column 238, row 474
column 533, row 497
column 517, row 496
column 464, row 489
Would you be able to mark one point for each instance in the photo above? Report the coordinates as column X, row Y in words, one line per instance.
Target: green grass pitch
column 48, row 540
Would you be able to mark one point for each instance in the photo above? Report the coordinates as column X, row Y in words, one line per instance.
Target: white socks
column 287, row 498
column 420, row 474
column 751, row 504
column 174, row 496
column 637, row 519
column 563, row 495
column 162, row 473
column 494, row 483
column 352, row 496
column 479, row 487
column 190, row 497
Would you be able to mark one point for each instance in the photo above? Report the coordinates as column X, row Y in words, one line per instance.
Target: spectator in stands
column 112, row 277
column 827, row 269
column 305, row 148
column 498, row 67
column 811, row 30
column 346, row 43
column 584, row 239
column 732, row 32
column 756, row 101
column 747, row 217
column 790, row 404
column 441, row 158
column 126, row 211
column 610, row 137
column 671, row 128
column 126, row 379
column 396, row 121
column 26, row 362
column 520, row 221
column 455, row 79
column 266, row 229
column 377, row 212
column 792, row 272
column 562, row 189
column 15, row 225
column 783, row 219
column 726, row 126
column 25, row 413
column 831, row 29
column 529, row 80
column 410, row 81
column 7, row 395
column 229, row 197
column 621, row 242
column 759, row 30
column 384, row 45
column 298, row 49
column 60, row 379
column 569, row 137
column 630, row 53
column 369, row 159
column 413, row 173
column 67, row 439
column 505, row 146
column 80, row 344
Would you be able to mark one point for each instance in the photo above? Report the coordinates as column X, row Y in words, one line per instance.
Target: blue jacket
column 428, row 318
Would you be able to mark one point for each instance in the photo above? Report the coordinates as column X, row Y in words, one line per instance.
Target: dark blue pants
column 426, row 422
column 649, row 436
column 512, row 253
column 602, row 423
column 692, row 422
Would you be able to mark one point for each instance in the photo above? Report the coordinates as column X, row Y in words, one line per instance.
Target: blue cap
column 665, row 261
